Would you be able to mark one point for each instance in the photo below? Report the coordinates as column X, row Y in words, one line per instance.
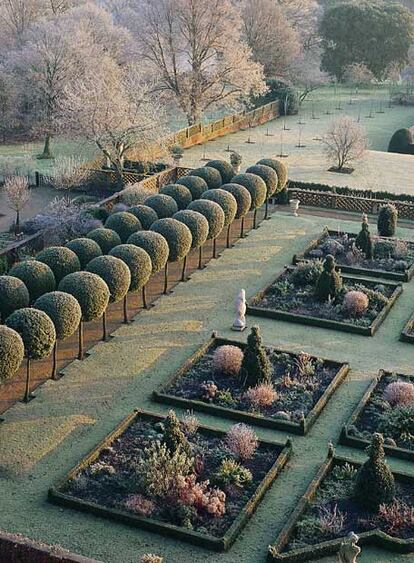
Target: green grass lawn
column 41, row 441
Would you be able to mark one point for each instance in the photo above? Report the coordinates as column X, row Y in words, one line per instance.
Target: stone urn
column 294, row 206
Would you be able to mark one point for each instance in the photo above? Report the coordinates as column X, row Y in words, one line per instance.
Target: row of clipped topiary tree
column 45, row 300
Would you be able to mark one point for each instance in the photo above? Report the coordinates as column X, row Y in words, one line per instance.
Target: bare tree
column 306, row 74
column 68, row 172
column 345, row 142
column 195, row 49
column 18, row 195
column 17, row 16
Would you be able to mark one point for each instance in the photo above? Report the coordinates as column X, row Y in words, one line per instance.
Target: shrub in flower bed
column 200, row 486
column 386, row 407
column 346, row 497
column 254, row 383
column 364, row 253
column 315, row 293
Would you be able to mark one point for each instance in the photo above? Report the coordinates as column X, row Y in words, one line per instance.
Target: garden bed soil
column 365, row 421
column 298, row 304
column 401, row 269
column 299, row 402
column 104, row 491
column 407, row 333
column 329, row 494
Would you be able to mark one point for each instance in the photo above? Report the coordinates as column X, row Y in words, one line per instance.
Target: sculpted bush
column 180, row 194
column 37, row 277
column 211, row 176
column 195, row 184
column 85, row 249
column 225, row 168
column 124, row 224
column 155, row 245
column 13, row 295
column 106, row 238
column 145, row 215
column 61, row 260
column 11, row 353
column 163, row 205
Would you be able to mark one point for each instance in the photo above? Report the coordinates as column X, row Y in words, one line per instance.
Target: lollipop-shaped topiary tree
column 85, row 249
column 180, row 194
column 269, row 176
column 211, row 176
column 92, row 294
column 13, row 295
column 155, row 245
column 257, row 189
column 61, row 260
column 179, row 239
column 214, row 215
column 198, row 226
column 37, row 277
column 228, row 204
column 117, row 277
column 106, row 238
column 281, row 170
column 145, row 215
column 140, row 268
column 38, row 335
column 11, row 353
column 163, row 205
column 243, row 199
column 195, row 184
column 123, row 223
column 225, row 168
column 65, row 312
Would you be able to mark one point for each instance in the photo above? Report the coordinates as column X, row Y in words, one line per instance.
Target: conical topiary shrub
column 364, row 241
column 329, row 281
column 256, row 367
column 387, row 220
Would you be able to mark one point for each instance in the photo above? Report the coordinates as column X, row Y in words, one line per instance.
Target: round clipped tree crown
column 85, row 249
column 268, row 175
column 226, row 201
column 11, row 353
column 197, row 224
column 212, row 212
column 163, row 205
column 13, row 295
column 211, row 176
column 115, row 274
column 64, row 311
column 155, row 245
column 280, row 168
column 61, row 260
column 242, row 197
column 255, row 185
column 145, row 215
column 37, row 277
column 180, row 194
column 106, row 238
column 123, row 223
column 36, row 329
column 177, row 235
column 225, row 168
column 90, row 291
column 195, row 184
column 138, row 262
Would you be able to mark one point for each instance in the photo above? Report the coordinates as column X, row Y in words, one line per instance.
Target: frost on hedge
column 64, row 311
column 177, row 235
column 36, row 330
column 91, row 292
column 85, row 249
column 115, row 274
column 61, row 260
column 13, row 295
column 155, row 245
column 213, row 213
column 138, row 262
column 106, row 238
column 124, row 224
column 37, row 277
column 11, row 353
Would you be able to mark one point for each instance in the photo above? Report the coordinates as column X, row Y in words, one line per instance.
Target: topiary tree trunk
column 80, row 341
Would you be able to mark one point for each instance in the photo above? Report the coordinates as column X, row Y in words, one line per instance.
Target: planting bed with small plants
column 314, row 293
column 344, row 497
column 407, row 333
column 255, row 384
column 174, row 477
column 389, row 258
column 386, row 407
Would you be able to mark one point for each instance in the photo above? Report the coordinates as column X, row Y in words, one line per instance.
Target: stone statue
column 349, row 549
column 239, row 323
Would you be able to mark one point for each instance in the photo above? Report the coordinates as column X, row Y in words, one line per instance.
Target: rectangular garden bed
column 393, row 258
column 284, row 301
column 184, row 388
column 328, row 499
column 375, row 414
column 407, row 333
column 103, row 481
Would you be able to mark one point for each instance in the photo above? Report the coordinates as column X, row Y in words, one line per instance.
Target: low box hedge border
column 348, row 439
column 407, row 333
column 373, row 537
column 161, row 395
column 203, row 540
column 405, row 276
column 253, row 309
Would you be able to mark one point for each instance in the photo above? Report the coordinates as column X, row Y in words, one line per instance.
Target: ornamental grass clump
column 214, row 215
column 11, row 353
column 179, row 240
column 211, row 176
column 257, row 189
column 140, row 268
column 180, row 194
column 228, row 204
column 115, row 273
column 85, row 249
column 92, row 294
column 227, row 359
column 387, row 220
column 65, row 312
column 37, row 277
column 61, row 260
column 329, row 282
column 399, row 393
column 198, row 226
column 364, row 241
column 243, row 200
column 269, row 176
column 356, row 303
column 256, row 367
column 241, row 441
column 154, row 245
column 38, row 335
column 145, row 215
column 163, row 205
column 124, row 224
column 106, row 238
column 13, row 295
column 195, row 184
column 374, row 483
column 225, row 169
